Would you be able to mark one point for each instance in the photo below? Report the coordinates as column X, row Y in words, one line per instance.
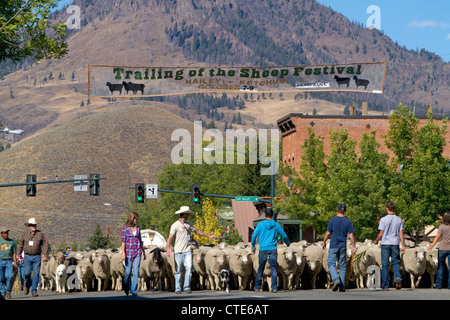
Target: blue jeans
column 6, row 276
column 339, row 255
column 442, row 255
column 392, row 251
column 32, row 265
column 183, row 259
column 131, row 275
column 272, row 254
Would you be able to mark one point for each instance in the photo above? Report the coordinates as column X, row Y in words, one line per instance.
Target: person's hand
column 123, row 256
column 168, row 252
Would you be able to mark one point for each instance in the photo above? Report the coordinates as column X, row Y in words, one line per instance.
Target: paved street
column 318, row 294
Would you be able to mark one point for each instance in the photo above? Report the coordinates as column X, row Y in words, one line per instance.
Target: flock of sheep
column 299, row 266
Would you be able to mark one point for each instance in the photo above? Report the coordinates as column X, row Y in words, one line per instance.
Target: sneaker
column 336, row 285
column 274, row 291
column 177, row 292
column 258, row 290
column 8, row 296
column 341, row 290
column 187, row 291
column 398, row 284
column 35, row 294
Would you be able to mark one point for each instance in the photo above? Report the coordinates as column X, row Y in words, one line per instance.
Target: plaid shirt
column 132, row 242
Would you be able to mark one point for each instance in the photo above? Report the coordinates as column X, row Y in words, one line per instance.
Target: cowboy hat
column 31, row 221
column 184, row 209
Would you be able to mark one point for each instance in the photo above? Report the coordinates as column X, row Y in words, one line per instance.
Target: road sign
column 80, row 185
column 151, row 191
column 240, row 198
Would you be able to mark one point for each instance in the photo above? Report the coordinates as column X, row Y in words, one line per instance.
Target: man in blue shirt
column 266, row 232
column 339, row 226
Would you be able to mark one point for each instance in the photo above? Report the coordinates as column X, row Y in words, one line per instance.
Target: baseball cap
column 342, row 207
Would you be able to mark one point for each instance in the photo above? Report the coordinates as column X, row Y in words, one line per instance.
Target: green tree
column 98, row 240
column 422, row 188
column 25, row 31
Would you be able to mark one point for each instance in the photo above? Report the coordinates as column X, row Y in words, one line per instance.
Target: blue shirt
column 339, row 228
column 267, row 232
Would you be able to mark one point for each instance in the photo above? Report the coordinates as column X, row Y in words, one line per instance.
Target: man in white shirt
column 181, row 230
column 391, row 233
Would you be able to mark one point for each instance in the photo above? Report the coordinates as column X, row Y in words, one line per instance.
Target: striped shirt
column 132, row 242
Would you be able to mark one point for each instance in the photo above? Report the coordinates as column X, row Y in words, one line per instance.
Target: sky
column 415, row 24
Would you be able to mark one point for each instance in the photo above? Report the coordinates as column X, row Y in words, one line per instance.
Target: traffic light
column 31, row 188
column 139, row 192
column 94, row 185
column 195, row 194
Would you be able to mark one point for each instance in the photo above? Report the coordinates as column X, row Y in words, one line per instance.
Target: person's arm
column 352, row 239
column 402, row 240
column 169, row 240
column 123, row 251
column 325, row 238
column 436, row 239
column 380, row 235
column 201, row 233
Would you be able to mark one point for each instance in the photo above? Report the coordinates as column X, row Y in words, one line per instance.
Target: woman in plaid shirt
column 132, row 249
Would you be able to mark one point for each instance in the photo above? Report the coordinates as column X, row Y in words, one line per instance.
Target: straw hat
column 184, row 209
column 31, row 221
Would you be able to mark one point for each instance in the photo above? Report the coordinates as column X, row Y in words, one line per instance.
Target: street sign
column 80, row 185
column 151, row 191
column 240, row 198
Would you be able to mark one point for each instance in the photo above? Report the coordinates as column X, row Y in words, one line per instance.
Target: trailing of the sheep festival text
column 121, row 73
column 107, row 81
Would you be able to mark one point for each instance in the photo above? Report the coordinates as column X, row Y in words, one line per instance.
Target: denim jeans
column 6, row 276
column 339, row 255
column 32, row 265
column 131, row 275
column 387, row 251
column 183, row 259
column 442, row 255
column 272, row 254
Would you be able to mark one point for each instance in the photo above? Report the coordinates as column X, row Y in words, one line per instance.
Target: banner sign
column 121, row 81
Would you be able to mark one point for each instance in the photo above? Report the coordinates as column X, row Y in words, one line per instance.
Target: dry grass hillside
column 126, row 145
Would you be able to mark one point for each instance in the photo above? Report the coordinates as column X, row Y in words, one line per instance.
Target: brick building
column 294, row 132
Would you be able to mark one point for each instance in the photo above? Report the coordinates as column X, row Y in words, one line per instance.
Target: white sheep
column 241, row 266
column 85, row 274
column 144, row 272
column 364, row 258
column 300, row 262
column 117, row 271
column 50, row 268
column 102, row 269
column 60, row 278
column 215, row 261
column 413, row 261
column 314, row 262
column 198, row 263
column 286, row 267
column 432, row 264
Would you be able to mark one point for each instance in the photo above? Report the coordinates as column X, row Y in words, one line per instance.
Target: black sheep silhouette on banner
column 359, row 82
column 130, row 86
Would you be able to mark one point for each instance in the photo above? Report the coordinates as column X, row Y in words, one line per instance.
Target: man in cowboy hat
column 33, row 242
column 181, row 230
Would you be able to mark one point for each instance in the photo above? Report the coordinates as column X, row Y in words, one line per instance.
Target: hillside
column 124, row 144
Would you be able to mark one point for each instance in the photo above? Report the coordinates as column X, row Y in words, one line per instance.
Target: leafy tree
column 25, row 31
column 208, row 223
column 422, row 188
column 98, row 240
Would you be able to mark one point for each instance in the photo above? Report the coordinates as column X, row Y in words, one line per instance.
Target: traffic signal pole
column 47, row 182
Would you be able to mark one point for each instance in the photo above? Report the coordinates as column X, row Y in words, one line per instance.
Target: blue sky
column 412, row 23
column 415, row 24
